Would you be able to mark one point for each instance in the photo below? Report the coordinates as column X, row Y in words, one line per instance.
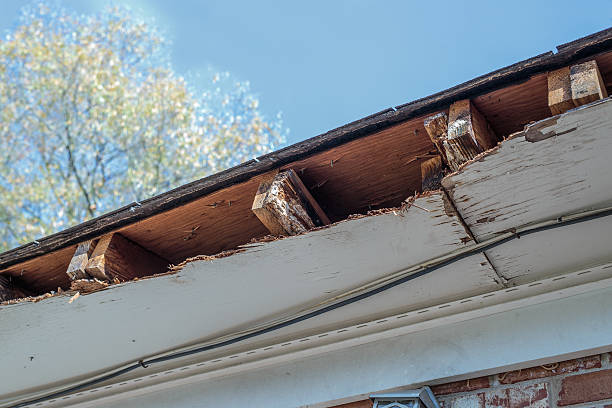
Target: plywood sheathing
column 44, row 273
column 376, row 171
column 551, row 169
column 604, row 62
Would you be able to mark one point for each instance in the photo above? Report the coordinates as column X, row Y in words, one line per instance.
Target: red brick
column 357, row 404
column 533, row 396
column 461, row 386
column 564, row 367
column 464, row 401
column 587, row 387
column 497, row 398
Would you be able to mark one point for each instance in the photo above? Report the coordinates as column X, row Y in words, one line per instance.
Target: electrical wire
column 354, row 295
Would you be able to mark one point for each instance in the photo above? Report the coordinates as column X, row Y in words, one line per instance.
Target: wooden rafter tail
column 437, row 129
column 116, row 257
column 462, row 135
column 285, row 206
column 9, row 290
column 573, row 86
column 78, row 263
column 587, row 83
column 559, row 91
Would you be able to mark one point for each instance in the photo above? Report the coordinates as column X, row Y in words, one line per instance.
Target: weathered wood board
column 558, row 166
column 211, row 297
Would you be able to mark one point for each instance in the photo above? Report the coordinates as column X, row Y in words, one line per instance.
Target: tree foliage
column 93, row 117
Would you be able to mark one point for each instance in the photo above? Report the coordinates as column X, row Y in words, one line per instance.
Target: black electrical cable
column 146, row 363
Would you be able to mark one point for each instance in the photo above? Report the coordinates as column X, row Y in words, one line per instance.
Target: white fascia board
column 562, row 317
column 207, row 299
column 523, row 181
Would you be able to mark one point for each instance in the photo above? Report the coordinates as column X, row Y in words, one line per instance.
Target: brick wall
column 584, row 382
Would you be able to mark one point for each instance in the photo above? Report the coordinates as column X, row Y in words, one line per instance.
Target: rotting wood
column 574, row 86
column 559, row 91
column 486, row 194
column 117, row 257
column 469, row 134
column 510, row 97
column 88, row 285
column 78, row 263
column 586, row 83
column 286, row 207
column 432, row 173
column 8, row 289
column 437, row 129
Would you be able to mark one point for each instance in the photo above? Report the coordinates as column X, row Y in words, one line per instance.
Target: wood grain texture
column 9, row 289
column 469, row 134
column 282, row 206
column 375, row 172
column 78, row 263
column 586, row 83
column 117, row 257
column 432, row 173
column 437, row 130
column 561, row 171
column 560, row 91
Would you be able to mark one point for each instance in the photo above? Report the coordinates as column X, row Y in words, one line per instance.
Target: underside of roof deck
column 373, row 163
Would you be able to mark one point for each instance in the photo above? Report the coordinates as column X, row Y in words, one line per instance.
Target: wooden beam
column 78, row 263
column 465, row 135
column 587, row 84
column 559, row 91
column 117, row 257
column 569, row 87
column 286, row 207
column 437, row 129
column 8, row 289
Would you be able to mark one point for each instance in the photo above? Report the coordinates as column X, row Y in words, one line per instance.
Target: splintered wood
column 78, row 263
column 570, row 87
column 112, row 258
column 432, row 173
column 118, row 257
column 286, row 207
column 465, row 135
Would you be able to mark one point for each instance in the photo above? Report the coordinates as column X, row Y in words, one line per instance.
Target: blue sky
column 326, row 63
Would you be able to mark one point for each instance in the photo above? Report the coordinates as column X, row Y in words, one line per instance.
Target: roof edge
column 521, row 71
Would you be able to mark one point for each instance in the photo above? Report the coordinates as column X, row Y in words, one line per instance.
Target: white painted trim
column 301, row 350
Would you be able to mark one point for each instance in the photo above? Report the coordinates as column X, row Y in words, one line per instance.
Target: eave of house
column 372, row 163
column 525, row 280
